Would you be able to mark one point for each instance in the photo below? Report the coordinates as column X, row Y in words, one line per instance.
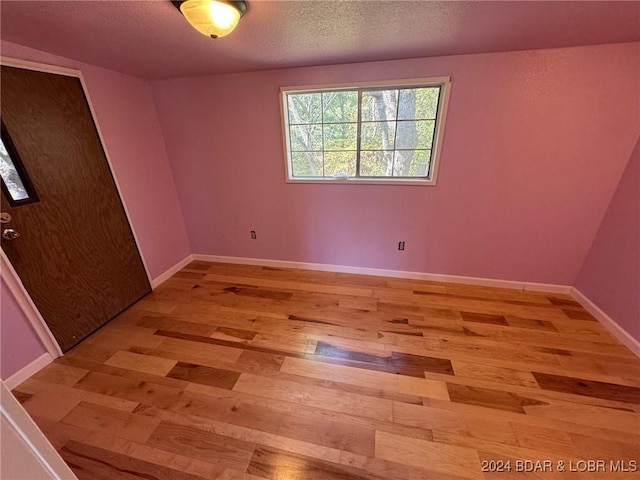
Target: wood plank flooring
column 245, row 372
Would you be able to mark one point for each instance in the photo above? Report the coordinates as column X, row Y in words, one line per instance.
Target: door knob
column 5, row 217
column 10, row 234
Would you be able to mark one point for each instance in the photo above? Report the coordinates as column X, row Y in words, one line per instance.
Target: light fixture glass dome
column 213, row 18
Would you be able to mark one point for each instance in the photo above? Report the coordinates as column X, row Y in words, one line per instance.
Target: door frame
column 29, row 434
column 7, row 272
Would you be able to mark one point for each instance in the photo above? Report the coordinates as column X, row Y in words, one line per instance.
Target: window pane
column 376, row 164
column 379, row 105
column 415, row 135
column 411, row 163
column 377, row 135
column 306, row 137
column 304, row 108
column 418, row 103
column 306, row 164
column 10, row 176
column 340, row 136
column 340, row 163
column 340, row 107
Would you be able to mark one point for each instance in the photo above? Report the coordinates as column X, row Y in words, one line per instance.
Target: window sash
column 442, row 84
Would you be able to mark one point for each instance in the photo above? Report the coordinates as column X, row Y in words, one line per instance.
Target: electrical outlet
column 400, row 245
column 253, row 235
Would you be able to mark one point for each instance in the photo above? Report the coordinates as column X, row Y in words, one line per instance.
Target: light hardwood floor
column 246, row 372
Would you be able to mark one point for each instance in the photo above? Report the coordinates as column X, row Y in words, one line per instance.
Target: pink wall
column 534, row 146
column 128, row 121
column 19, row 344
column 610, row 275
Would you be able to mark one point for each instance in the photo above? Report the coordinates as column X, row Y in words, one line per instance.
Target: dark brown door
column 75, row 252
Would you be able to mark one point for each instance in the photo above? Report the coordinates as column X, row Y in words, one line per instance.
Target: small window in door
column 15, row 182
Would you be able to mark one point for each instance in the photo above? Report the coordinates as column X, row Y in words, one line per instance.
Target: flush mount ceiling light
column 213, row 18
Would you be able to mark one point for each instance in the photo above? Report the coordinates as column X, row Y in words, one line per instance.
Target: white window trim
column 438, row 137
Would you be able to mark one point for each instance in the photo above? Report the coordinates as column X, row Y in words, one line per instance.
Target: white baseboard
column 434, row 277
column 608, row 322
column 171, row 271
column 28, row 370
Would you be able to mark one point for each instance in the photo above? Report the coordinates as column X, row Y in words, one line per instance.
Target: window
column 384, row 133
column 15, row 182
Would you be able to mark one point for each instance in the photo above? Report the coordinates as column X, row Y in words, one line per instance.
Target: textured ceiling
column 151, row 39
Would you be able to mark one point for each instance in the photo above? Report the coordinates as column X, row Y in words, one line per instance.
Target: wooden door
column 76, row 254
